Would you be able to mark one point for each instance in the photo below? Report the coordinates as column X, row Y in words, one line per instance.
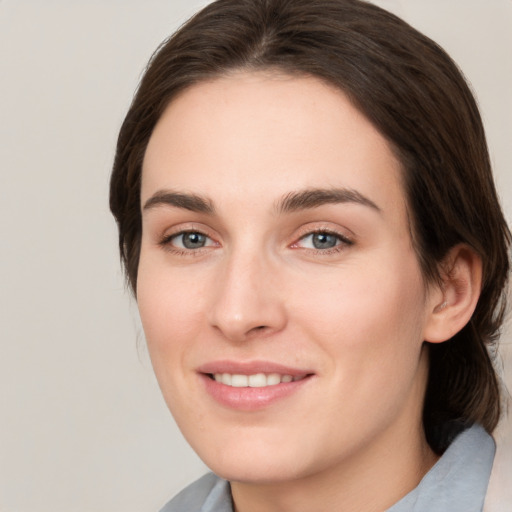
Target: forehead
column 266, row 133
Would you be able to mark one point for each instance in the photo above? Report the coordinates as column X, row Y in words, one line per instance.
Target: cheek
column 369, row 317
column 167, row 299
column 164, row 315
column 170, row 311
column 370, row 329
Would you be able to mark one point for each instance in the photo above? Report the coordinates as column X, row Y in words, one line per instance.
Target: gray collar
column 457, row 482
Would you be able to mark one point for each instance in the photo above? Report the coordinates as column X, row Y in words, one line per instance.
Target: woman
column 308, row 220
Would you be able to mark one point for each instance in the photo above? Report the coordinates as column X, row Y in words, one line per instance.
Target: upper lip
column 250, row 368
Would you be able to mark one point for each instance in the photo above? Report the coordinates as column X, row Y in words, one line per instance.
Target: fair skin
column 244, row 271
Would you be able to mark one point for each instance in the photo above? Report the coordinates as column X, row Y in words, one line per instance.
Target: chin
column 272, row 469
column 264, row 456
column 250, row 456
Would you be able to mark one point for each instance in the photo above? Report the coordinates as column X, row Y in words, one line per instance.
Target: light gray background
column 82, row 424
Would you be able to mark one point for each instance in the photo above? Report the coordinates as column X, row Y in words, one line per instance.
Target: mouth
column 252, row 386
column 255, row 380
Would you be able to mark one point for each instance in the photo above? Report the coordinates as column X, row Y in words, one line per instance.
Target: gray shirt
column 457, row 482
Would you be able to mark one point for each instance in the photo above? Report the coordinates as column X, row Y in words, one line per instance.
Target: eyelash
column 166, row 243
column 342, row 242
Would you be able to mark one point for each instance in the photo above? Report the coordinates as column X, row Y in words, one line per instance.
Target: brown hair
column 411, row 90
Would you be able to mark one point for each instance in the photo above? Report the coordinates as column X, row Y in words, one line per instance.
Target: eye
column 188, row 240
column 322, row 241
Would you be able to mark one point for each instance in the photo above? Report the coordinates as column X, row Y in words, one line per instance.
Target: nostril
column 258, row 328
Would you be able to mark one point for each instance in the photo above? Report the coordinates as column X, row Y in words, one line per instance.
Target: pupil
column 324, row 241
column 193, row 240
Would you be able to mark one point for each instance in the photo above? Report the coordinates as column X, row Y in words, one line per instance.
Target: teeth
column 257, row 380
column 239, row 381
column 273, row 379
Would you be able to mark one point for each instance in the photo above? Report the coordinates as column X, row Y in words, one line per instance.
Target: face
column 282, row 301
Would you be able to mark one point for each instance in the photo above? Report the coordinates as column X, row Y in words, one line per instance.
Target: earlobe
column 456, row 299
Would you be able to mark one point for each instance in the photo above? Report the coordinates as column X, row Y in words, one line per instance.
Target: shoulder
column 208, row 494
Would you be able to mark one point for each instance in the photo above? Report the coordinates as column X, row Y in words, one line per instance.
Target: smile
column 252, row 385
column 256, row 380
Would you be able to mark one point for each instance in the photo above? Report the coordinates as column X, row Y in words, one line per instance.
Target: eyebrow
column 313, row 198
column 192, row 202
column 292, row 202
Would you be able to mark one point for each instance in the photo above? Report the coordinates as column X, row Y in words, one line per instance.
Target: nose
column 248, row 299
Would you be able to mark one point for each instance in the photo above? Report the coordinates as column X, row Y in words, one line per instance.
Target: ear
column 453, row 302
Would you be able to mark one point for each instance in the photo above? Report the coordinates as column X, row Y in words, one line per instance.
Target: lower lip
column 251, row 399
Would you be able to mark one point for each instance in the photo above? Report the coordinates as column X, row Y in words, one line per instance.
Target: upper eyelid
column 330, row 231
column 180, row 232
column 187, row 227
column 342, row 238
column 308, row 229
